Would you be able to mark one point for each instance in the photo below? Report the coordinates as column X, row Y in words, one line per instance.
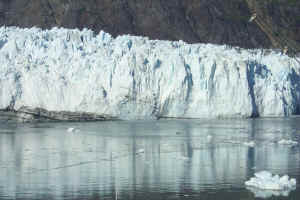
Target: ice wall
column 134, row 77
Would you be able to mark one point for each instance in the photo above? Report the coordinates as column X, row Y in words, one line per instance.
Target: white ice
column 249, row 144
column 140, row 151
column 136, row 78
column 72, row 129
column 287, row 142
column 266, row 181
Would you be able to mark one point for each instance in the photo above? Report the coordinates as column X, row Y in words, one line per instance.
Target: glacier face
column 136, row 78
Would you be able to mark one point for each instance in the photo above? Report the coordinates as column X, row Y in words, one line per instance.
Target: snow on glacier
column 134, row 77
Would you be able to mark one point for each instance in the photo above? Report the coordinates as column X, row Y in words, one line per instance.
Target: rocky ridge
column 193, row 21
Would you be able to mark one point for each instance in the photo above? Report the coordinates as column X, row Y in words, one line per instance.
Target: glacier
column 131, row 77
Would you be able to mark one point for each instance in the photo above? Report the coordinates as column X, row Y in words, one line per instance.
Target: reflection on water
column 169, row 159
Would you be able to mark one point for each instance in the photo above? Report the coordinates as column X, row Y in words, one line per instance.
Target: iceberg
column 72, row 130
column 266, row 181
column 249, row 144
column 287, row 142
column 69, row 71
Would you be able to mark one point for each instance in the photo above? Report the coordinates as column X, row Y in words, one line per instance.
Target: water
column 167, row 159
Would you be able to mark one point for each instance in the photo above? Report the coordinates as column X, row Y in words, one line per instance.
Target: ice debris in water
column 266, row 181
column 250, row 143
column 287, row 142
column 140, row 151
column 71, row 129
column 209, row 138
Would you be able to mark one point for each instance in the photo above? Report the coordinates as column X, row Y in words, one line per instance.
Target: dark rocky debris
column 193, row 21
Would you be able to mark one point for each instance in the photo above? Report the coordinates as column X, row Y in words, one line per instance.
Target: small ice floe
column 287, row 142
column 250, row 143
column 208, row 138
column 266, row 181
column 72, row 129
column 140, row 151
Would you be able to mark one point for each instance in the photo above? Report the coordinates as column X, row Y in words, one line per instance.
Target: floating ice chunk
column 266, row 181
column 140, row 151
column 250, row 143
column 72, row 129
column 209, row 138
column 287, row 142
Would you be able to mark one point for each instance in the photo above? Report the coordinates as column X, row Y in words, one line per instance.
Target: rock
column 27, row 114
column 213, row 21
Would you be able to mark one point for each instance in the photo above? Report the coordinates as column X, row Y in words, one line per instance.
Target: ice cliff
column 133, row 77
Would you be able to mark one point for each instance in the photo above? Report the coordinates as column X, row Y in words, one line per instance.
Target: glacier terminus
column 129, row 77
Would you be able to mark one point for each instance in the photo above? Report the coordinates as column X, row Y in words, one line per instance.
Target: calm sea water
column 167, row 159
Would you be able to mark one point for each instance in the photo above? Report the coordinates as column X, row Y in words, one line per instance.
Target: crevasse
column 136, row 78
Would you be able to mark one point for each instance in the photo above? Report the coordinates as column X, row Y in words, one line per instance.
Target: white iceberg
column 266, row 181
column 249, row 144
column 136, row 78
column 287, row 142
column 72, row 129
column 140, row 151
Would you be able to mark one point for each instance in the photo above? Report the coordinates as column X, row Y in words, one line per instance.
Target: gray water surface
column 167, row 159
